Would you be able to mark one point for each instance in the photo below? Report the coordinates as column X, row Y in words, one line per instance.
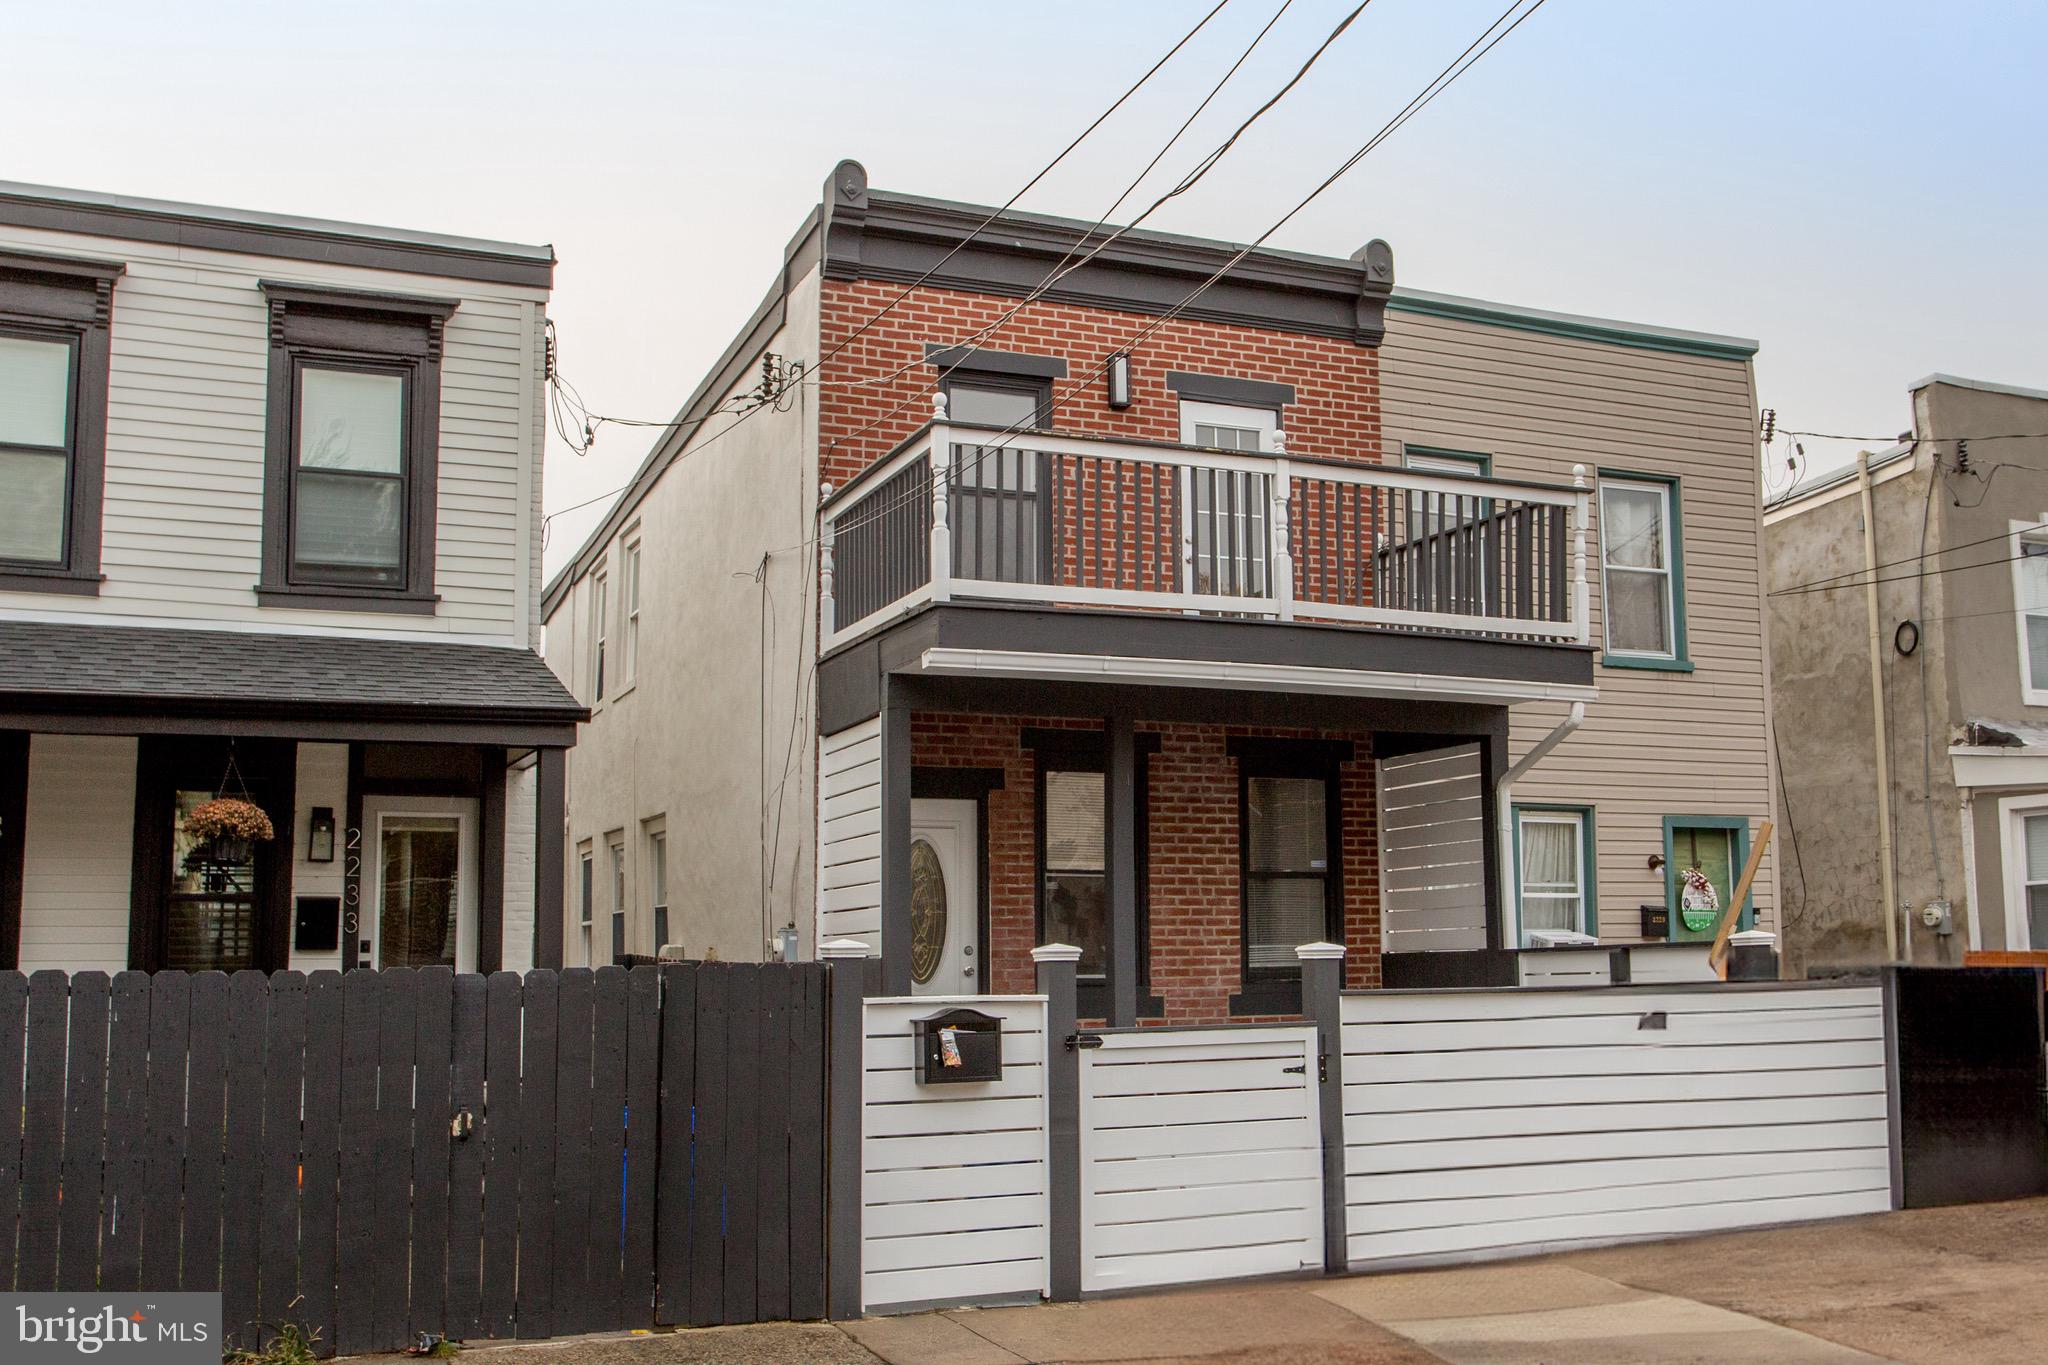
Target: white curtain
column 1552, row 891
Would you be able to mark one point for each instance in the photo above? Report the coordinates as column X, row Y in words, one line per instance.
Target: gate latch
column 1080, row 1040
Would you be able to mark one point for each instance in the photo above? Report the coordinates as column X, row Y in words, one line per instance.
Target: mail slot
column 959, row 1046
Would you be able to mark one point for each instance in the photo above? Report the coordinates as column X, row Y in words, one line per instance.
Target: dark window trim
column 973, row 361
column 353, row 329
column 1086, row 751
column 72, row 299
column 1223, row 388
column 1278, row 990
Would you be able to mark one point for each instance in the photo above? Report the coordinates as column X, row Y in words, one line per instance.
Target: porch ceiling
column 142, row 679
column 1167, row 650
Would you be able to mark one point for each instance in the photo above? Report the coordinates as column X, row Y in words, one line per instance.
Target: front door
column 420, row 882
column 945, row 876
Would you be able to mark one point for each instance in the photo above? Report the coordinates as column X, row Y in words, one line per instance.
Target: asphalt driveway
column 1967, row 1286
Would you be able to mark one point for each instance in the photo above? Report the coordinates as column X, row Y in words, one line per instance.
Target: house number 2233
column 351, row 870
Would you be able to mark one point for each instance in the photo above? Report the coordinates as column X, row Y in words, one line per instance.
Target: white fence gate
column 953, row 1177
column 1491, row 1122
column 1201, row 1156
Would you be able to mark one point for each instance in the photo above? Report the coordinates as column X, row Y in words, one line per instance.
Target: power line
column 1830, row 579
column 1491, row 37
column 1061, row 270
column 1906, row 577
column 1902, row 437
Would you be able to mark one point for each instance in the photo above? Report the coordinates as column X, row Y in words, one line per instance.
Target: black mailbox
column 1656, row 921
column 956, row 1047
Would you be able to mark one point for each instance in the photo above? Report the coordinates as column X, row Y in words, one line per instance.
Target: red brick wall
column 1193, row 854
column 1336, row 381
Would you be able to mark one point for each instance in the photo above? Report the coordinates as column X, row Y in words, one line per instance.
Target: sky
column 1859, row 186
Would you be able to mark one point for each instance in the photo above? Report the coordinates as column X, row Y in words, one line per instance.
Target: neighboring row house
column 269, row 531
column 1955, row 622
column 1182, row 629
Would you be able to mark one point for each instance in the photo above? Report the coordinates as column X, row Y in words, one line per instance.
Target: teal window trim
column 1589, row 862
column 1481, row 462
column 1680, row 660
column 1738, row 858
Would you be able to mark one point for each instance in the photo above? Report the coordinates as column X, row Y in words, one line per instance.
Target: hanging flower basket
column 227, row 830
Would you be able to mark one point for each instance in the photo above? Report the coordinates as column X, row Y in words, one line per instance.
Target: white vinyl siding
column 1541, row 404
column 850, row 835
column 322, row 781
column 78, row 853
column 187, row 397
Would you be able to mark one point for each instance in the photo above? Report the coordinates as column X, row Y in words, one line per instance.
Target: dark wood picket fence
column 385, row 1154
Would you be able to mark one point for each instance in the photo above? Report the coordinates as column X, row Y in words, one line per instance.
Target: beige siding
column 1655, row 743
column 182, row 525
column 78, row 853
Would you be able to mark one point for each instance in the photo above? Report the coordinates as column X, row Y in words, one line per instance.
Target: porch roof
column 144, row 678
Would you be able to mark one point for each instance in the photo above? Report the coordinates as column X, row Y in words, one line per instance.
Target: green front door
column 1711, row 854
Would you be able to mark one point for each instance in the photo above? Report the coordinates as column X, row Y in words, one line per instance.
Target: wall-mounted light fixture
column 1119, row 378
column 320, row 835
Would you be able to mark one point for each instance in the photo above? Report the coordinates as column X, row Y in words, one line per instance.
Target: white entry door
column 421, row 882
column 945, row 880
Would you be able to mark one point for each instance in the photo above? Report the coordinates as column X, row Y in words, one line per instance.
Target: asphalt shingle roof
column 217, row 671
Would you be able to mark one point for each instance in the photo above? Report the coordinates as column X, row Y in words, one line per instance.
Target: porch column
column 1120, row 797
column 895, row 838
column 490, row 872
column 550, row 811
column 1493, row 765
column 1056, row 964
column 13, row 841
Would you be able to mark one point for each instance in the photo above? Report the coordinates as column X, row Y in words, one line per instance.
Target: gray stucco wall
column 1820, row 680
column 714, row 738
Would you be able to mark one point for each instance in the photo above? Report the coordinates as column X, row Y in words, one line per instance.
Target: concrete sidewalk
column 1966, row 1286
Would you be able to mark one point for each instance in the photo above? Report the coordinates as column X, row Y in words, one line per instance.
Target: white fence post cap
column 1056, row 952
column 1319, row 952
column 1753, row 936
column 843, row 947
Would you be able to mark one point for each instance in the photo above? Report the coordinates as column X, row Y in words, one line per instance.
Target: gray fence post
column 845, row 968
column 1057, row 964
column 1322, row 986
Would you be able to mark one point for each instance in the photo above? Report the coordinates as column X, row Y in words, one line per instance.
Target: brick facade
column 1193, row 864
column 865, row 407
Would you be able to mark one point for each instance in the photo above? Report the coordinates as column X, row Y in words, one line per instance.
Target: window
column 585, row 871
column 1289, row 838
column 2030, row 600
column 1074, row 895
column 354, row 431
column 1230, row 508
column 1703, row 856
column 54, row 315
column 2027, row 913
column 988, row 401
column 1554, row 858
column 630, row 572
column 1426, row 514
column 617, row 850
column 1641, row 555
column 657, row 885
column 600, row 613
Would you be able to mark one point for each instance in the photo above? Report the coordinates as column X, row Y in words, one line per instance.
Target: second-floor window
column 355, row 396
column 600, row 612
column 2030, row 597
column 1639, row 552
column 53, row 419
column 631, row 588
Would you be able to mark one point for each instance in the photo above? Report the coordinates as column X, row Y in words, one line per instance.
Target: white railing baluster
column 1582, row 507
column 1283, row 546
column 828, row 544
column 942, row 534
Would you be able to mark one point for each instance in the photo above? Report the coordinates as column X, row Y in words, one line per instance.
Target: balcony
column 960, row 513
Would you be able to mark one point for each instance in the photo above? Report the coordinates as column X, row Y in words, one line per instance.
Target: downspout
column 1878, row 738
column 1503, row 803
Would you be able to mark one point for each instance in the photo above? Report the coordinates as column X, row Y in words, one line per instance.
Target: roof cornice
column 900, row 238
column 91, row 214
column 1640, row 336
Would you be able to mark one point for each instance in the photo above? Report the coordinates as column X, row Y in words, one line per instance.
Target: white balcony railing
column 961, row 512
